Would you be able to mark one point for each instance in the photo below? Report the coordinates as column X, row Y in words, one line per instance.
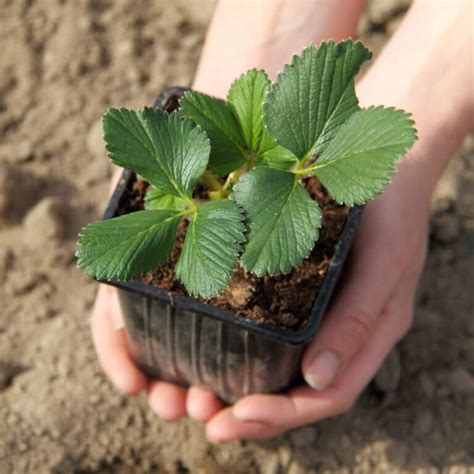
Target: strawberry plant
column 251, row 152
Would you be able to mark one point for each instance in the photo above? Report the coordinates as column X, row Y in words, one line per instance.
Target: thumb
column 369, row 279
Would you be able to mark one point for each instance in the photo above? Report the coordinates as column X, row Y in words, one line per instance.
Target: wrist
column 265, row 35
column 414, row 179
column 425, row 76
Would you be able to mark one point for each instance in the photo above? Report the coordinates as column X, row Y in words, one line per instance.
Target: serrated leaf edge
column 239, row 241
column 303, row 257
column 297, row 57
column 385, row 182
column 79, row 254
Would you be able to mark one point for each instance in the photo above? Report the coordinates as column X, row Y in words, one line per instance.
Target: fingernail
column 322, row 370
column 121, row 383
column 240, row 416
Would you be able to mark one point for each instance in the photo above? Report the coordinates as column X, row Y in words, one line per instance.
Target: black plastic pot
column 176, row 338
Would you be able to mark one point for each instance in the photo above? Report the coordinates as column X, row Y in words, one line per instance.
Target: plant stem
column 211, row 181
column 235, row 175
column 302, row 171
column 216, row 189
column 192, row 204
column 301, row 162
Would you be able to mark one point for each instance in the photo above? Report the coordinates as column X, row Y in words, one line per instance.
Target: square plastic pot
column 181, row 340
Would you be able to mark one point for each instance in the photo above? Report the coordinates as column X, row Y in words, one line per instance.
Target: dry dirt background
column 61, row 64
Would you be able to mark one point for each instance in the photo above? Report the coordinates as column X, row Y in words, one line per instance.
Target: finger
column 261, row 416
column 353, row 314
column 304, row 405
column 395, row 322
column 115, row 178
column 167, row 400
column 110, row 343
column 202, row 404
column 224, row 427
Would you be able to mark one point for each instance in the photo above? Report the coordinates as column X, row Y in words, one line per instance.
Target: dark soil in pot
column 283, row 300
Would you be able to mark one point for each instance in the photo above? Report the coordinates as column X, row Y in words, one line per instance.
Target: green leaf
column 314, row 95
column 123, row 247
column 283, row 220
column 157, row 199
column 361, row 159
column 168, row 151
column 279, row 158
column 215, row 117
column 211, row 248
column 246, row 96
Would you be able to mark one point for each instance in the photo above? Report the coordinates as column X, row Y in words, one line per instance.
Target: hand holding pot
column 371, row 312
column 166, row 399
column 374, row 306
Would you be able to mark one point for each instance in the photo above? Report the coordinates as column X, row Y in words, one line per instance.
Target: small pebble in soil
column 296, row 468
column 22, row 447
column 43, row 313
column 284, row 453
column 95, row 399
column 17, row 152
column 20, row 283
column 239, row 294
column 8, row 372
column 55, row 434
column 270, row 464
column 39, row 431
column 18, row 191
column 125, row 48
column 44, row 224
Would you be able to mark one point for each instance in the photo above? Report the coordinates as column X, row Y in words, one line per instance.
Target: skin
column 430, row 75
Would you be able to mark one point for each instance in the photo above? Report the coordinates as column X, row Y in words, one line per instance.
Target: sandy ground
column 61, row 64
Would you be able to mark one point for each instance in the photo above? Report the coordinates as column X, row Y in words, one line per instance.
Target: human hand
column 371, row 311
column 167, row 400
column 373, row 308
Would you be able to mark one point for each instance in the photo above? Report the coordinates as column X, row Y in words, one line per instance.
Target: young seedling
column 251, row 152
